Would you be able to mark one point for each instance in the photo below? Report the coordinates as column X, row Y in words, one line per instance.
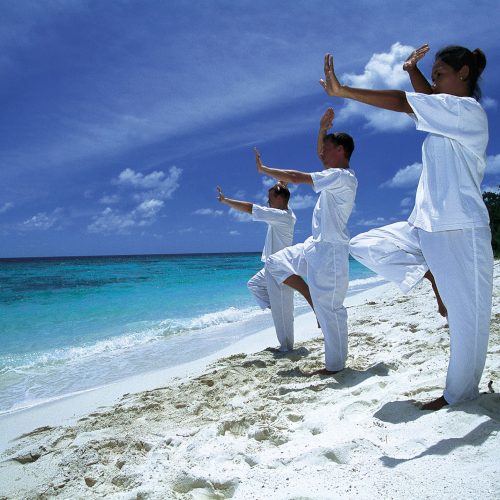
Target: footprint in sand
column 235, row 427
column 357, row 411
column 200, row 487
column 268, row 434
column 254, row 363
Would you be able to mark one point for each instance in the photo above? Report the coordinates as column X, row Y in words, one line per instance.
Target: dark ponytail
column 457, row 57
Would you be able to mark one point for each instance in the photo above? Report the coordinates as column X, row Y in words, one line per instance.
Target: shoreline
column 66, row 408
column 98, row 357
column 253, row 425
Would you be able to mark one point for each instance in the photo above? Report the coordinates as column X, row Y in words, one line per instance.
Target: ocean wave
column 142, row 333
column 229, row 315
column 361, row 282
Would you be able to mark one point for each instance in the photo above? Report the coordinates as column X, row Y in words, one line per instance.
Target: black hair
column 342, row 139
column 280, row 190
column 457, row 57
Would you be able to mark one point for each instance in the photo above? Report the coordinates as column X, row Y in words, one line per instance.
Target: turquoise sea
column 71, row 324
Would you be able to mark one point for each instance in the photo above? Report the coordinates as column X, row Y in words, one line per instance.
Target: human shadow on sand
column 475, row 437
column 398, row 412
column 349, row 377
column 293, row 355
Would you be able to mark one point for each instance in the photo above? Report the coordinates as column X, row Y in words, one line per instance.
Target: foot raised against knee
column 441, row 307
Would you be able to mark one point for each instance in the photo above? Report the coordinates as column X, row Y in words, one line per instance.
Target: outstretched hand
column 326, row 121
column 220, row 195
column 258, row 160
column 330, row 83
column 414, row 57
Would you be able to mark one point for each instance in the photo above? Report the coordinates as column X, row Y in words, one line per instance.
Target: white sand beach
column 252, row 425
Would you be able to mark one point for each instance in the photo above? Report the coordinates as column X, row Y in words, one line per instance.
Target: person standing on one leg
column 447, row 236
column 281, row 221
column 324, row 257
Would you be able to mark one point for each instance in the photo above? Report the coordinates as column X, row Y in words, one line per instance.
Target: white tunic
column 337, row 188
column 453, row 158
column 280, row 228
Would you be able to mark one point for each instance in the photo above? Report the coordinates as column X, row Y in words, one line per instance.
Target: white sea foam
column 366, row 282
column 230, row 315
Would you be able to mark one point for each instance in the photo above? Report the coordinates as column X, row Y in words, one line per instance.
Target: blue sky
column 119, row 118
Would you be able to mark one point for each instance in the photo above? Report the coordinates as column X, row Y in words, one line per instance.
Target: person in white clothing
column 268, row 294
column 447, row 235
column 324, row 257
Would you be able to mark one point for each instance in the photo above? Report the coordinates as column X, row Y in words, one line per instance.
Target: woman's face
column 445, row 80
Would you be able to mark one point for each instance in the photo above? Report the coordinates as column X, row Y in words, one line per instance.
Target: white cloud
column 240, row 216
column 408, row 176
column 490, row 189
column 208, row 211
column 299, row 202
column 376, row 222
column 383, row 71
column 43, row 221
column 116, row 221
column 6, row 207
column 406, row 202
column 149, row 192
column 234, row 233
column 493, row 164
column 268, row 182
column 489, row 103
column 157, row 184
column 128, row 176
column 111, row 221
column 109, row 199
column 405, row 177
column 148, row 209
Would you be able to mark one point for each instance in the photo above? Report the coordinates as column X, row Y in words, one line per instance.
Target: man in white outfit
column 280, row 221
column 324, row 257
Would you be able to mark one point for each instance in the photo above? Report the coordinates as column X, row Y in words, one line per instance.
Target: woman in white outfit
column 447, row 234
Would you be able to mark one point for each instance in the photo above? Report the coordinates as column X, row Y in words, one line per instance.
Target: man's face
column 331, row 154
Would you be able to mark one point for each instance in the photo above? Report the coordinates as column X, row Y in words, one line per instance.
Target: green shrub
column 492, row 201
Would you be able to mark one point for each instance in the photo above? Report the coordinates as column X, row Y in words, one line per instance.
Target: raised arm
column 325, row 124
column 293, row 176
column 242, row 206
column 418, row 80
column 393, row 100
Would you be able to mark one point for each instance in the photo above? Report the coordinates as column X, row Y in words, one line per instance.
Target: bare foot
column 322, row 372
column 437, row 404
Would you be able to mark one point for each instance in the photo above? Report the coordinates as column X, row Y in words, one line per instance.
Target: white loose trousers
column 279, row 297
column 462, row 264
column 326, row 269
